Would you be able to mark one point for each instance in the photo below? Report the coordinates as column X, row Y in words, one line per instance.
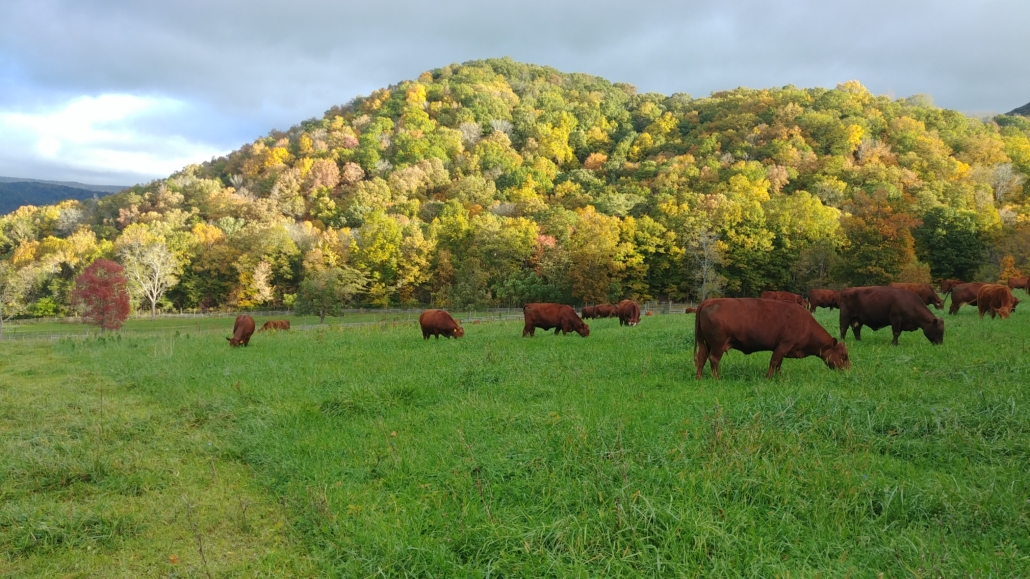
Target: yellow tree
column 594, row 245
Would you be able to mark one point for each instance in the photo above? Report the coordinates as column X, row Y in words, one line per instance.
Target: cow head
column 835, row 354
column 233, row 341
column 459, row 332
column 937, row 302
column 935, row 331
column 584, row 330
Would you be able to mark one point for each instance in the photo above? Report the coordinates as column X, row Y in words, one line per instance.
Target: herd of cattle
column 778, row 322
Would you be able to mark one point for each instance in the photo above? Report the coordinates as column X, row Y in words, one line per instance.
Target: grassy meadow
column 361, row 451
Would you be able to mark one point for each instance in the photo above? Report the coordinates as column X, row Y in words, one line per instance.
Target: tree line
column 498, row 183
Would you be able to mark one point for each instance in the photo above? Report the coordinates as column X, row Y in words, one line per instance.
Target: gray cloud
column 250, row 66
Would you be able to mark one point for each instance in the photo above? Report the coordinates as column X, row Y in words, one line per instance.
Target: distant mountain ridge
column 1023, row 110
column 15, row 192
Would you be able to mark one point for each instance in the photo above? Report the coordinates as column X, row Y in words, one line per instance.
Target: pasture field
column 366, row 451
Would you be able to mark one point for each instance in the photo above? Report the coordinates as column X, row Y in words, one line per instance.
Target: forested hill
column 495, row 182
column 15, row 193
column 1023, row 110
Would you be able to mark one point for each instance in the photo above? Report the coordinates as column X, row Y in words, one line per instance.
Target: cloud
column 244, row 67
column 103, row 136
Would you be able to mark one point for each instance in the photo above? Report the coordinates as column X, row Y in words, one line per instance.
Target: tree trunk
column 1, row 324
column 153, row 309
column 321, row 317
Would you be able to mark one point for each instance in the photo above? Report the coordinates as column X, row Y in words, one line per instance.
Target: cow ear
column 834, row 344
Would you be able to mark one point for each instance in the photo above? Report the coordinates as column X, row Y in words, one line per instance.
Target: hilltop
column 1023, row 110
column 15, row 192
column 497, row 182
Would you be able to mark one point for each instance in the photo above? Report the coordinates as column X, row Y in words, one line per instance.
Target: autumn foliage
column 101, row 293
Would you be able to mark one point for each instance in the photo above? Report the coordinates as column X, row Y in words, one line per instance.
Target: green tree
column 948, row 240
column 329, row 291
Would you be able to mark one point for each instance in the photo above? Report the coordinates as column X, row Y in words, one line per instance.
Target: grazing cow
column 607, row 311
column 878, row 307
column 648, row 313
column 924, row 291
column 690, row 311
column 786, row 297
column 589, row 312
column 629, row 313
column 761, row 325
column 995, row 299
column 242, row 330
column 546, row 316
column 439, row 323
column 823, row 298
column 275, row 325
column 1019, row 282
column 948, row 284
column 964, row 293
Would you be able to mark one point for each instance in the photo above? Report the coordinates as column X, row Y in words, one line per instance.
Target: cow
column 823, row 298
column 607, row 311
column 948, row 284
column 648, row 313
column 786, row 297
column 964, row 293
column 589, row 312
column 690, row 311
column 275, row 325
column 242, row 330
column 439, row 323
column 1019, row 282
column 761, row 325
column 879, row 306
column 558, row 316
column 924, row 291
column 994, row 299
column 629, row 313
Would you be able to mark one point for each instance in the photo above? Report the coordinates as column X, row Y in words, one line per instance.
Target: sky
column 126, row 91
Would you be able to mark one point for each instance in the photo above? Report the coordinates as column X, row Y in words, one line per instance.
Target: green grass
column 378, row 453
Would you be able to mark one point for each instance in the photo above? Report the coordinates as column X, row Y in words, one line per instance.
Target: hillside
column 495, row 182
column 1023, row 110
column 17, row 192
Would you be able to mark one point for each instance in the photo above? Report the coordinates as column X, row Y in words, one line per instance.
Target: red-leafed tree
column 100, row 291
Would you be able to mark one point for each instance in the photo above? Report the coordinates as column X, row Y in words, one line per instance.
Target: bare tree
column 708, row 256
column 152, row 269
column 503, row 126
column 470, row 132
column 1004, row 180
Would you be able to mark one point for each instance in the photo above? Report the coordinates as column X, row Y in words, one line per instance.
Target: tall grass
column 564, row 456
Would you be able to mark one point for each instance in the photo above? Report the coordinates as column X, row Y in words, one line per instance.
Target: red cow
column 995, row 299
column 648, row 313
column 275, row 325
column 1019, row 282
column 761, row 325
column 629, row 313
column 607, row 311
column 878, row 307
column 242, row 330
column 690, row 311
column 439, row 323
column 948, row 284
column 558, row 316
column 924, row 291
column 823, row 298
column 785, row 297
column 964, row 293
column 589, row 312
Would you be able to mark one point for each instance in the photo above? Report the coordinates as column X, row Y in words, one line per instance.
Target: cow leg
column 700, row 357
column 713, row 359
column 896, row 330
column 527, row 330
column 777, row 360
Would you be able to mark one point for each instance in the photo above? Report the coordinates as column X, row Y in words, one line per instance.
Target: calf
column 878, row 307
column 760, row 325
column 275, row 325
column 439, row 323
column 242, row 330
column 558, row 316
column 823, row 298
column 924, row 291
column 995, row 299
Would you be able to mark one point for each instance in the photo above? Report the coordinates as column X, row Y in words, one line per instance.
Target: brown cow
column 629, row 313
column 275, row 325
column 995, row 299
column 879, row 306
column 589, row 312
column 439, row 323
column 648, row 313
column 924, row 291
column 242, row 330
column 1019, row 282
column 607, row 311
column 546, row 316
column 948, row 284
column 823, row 298
column 690, row 311
column 786, row 297
column 964, row 293
column 761, row 325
